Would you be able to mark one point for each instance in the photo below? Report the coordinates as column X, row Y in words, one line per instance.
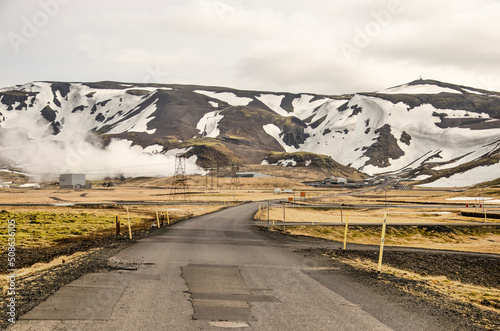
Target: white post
column 129, row 226
column 345, row 232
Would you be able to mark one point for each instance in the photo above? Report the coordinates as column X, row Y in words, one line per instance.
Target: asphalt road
column 217, row 272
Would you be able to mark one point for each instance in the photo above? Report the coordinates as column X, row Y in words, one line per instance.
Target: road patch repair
column 90, row 297
column 220, row 295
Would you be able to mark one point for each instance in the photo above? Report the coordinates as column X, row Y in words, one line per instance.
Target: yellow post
column 157, row 218
column 345, row 233
column 129, row 226
column 268, row 207
column 168, row 217
column 379, row 268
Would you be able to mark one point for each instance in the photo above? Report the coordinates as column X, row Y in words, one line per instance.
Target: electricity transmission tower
column 235, row 180
column 210, row 172
column 213, row 172
column 180, row 184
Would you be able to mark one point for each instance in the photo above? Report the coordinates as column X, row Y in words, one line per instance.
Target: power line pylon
column 210, row 172
column 180, row 184
column 217, row 174
column 235, row 180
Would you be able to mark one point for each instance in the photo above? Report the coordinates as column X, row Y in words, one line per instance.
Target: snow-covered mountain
column 426, row 130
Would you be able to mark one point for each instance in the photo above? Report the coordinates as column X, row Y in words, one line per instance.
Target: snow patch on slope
column 303, row 107
column 473, row 92
column 456, row 113
column 154, row 149
column 138, row 123
column 273, row 101
column 471, row 156
column 209, row 124
column 275, row 132
column 467, row 178
column 227, row 97
column 282, row 162
column 286, row 163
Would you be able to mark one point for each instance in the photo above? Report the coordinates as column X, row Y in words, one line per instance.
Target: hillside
column 423, row 130
column 313, row 162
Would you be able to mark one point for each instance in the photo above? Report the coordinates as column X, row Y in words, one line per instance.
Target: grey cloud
column 257, row 44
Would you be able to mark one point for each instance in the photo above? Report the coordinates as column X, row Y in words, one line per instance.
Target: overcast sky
column 316, row 46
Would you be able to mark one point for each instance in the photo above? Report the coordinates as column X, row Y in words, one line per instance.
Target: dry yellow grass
column 410, row 237
column 366, row 215
column 406, row 237
column 410, row 196
column 46, row 225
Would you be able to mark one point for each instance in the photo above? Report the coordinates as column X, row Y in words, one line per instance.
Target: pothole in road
column 128, row 265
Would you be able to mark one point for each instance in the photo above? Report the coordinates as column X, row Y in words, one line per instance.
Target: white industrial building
column 73, row 181
column 338, row 180
column 251, row 174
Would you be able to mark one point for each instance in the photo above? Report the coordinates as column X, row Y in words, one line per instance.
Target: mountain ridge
column 424, row 124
